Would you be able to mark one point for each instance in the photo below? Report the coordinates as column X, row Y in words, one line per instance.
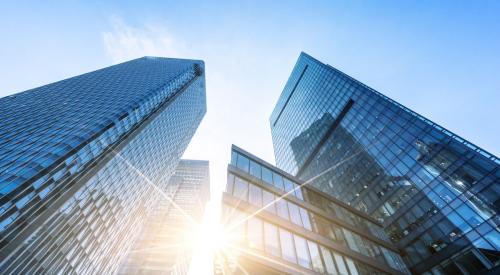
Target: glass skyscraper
column 277, row 225
column 436, row 194
column 165, row 245
column 83, row 161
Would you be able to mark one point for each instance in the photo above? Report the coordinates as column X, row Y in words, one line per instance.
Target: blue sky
column 439, row 58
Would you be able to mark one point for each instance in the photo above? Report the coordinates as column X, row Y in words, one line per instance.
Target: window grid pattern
column 432, row 190
column 313, row 222
column 94, row 228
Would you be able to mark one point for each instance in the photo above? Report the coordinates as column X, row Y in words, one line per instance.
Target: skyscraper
column 165, row 245
column 277, row 225
column 436, row 194
column 84, row 161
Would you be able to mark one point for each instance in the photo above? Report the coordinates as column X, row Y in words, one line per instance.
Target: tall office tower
column 277, row 225
column 82, row 162
column 436, row 194
column 166, row 243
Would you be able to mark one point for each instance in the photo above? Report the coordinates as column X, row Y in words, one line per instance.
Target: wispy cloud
column 124, row 41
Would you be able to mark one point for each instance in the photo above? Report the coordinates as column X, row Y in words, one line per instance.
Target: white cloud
column 124, row 42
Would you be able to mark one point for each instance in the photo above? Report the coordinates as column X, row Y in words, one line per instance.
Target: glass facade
column 81, row 161
column 165, row 244
column 290, row 224
column 436, row 194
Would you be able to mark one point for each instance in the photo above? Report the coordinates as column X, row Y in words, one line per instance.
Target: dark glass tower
column 436, row 194
column 82, row 162
column 277, row 225
column 165, row 246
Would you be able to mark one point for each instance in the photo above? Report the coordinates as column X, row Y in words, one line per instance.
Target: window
column 278, row 181
column 282, row 209
column 268, row 201
column 255, row 195
column 302, row 251
column 230, row 183
column 288, row 186
column 305, row 218
column 298, row 192
column 243, row 163
column 267, row 175
column 329, row 264
column 287, row 247
column 255, row 233
column 339, row 260
column 317, row 264
column 240, row 188
column 294, row 213
column 254, row 169
column 352, row 267
column 271, row 239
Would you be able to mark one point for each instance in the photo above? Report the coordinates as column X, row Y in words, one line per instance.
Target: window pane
column 269, row 199
column 329, row 264
column 352, row 267
column 315, row 257
column 243, row 163
column 302, row 251
column 298, row 192
column 288, row 186
column 234, row 156
column 230, row 184
column 255, row 169
column 240, row 188
column 255, row 195
column 267, row 175
column 287, row 247
column 236, row 219
column 305, row 218
column 278, row 181
column 282, row 209
column 294, row 213
column 271, row 239
column 255, row 233
column 339, row 260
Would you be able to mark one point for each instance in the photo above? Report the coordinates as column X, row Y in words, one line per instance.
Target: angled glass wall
column 436, row 194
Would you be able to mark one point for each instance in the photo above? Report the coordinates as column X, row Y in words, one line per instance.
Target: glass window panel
column 230, row 184
column 236, row 219
column 234, row 156
column 350, row 240
column 268, row 198
column 298, row 192
column 317, row 264
column 255, row 233
column 287, row 247
column 255, row 169
column 243, row 163
column 282, row 208
column 278, row 181
column 294, row 213
column 288, row 186
column 267, row 175
column 339, row 260
column 305, row 218
column 271, row 239
column 255, row 195
column 329, row 264
column 240, row 188
column 352, row 266
column 302, row 251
